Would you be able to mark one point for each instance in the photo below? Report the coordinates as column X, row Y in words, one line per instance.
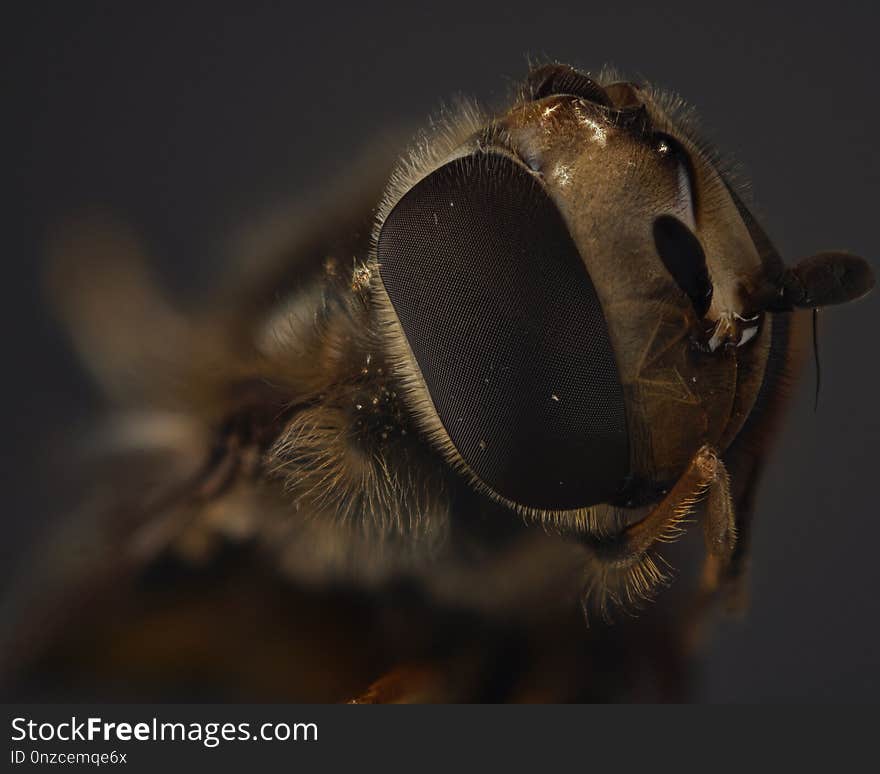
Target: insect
column 449, row 419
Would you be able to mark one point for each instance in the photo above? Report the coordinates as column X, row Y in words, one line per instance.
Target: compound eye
column 683, row 256
column 508, row 333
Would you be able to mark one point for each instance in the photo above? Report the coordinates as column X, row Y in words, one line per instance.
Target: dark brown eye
column 471, row 257
column 683, row 256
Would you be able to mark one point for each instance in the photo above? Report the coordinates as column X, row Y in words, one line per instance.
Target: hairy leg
column 626, row 571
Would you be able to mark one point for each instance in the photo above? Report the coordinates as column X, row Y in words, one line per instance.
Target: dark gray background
column 187, row 122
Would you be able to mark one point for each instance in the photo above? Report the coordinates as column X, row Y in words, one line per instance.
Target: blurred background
column 189, row 123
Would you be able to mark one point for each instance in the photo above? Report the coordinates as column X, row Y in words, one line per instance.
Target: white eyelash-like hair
column 445, row 132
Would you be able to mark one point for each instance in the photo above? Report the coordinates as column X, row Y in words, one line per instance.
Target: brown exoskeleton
column 563, row 336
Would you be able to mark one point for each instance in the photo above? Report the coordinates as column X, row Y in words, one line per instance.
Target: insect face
column 554, row 285
column 583, row 309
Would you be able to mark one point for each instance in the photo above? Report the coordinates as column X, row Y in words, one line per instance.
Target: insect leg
column 705, row 474
column 719, row 528
column 732, row 578
column 625, row 571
